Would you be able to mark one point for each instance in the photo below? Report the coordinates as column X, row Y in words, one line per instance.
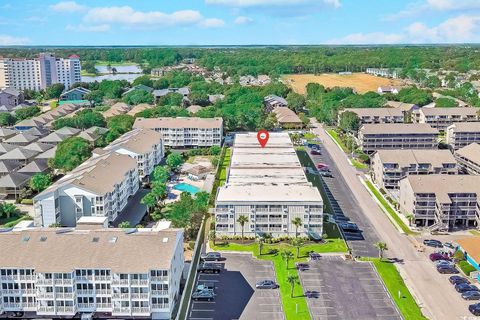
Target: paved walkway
column 438, row 298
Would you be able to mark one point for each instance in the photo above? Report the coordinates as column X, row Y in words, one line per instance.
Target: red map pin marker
column 262, row 137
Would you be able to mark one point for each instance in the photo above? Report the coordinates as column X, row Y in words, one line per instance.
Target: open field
column 361, row 82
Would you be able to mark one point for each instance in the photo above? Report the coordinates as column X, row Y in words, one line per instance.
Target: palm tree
column 242, row 220
column 212, row 236
column 410, row 218
column 382, row 247
column 297, row 222
column 292, row 279
column 298, row 243
column 261, row 241
column 287, row 255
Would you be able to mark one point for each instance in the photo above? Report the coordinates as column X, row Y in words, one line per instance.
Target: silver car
column 266, row 284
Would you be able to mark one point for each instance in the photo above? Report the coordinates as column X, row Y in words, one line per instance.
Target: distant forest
column 278, row 60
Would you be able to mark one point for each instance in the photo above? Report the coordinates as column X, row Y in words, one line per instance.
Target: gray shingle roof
column 14, row 180
column 36, row 166
column 19, row 154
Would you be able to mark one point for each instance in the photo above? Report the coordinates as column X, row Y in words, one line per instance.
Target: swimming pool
column 185, row 187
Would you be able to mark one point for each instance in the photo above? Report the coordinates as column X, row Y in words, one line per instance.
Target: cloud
column 277, row 3
column 36, row 19
column 460, row 29
column 129, row 17
column 68, row 7
column 446, row 5
column 243, row 20
column 420, row 7
column 6, row 40
column 88, row 28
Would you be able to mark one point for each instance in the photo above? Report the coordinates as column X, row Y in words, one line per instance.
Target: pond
column 124, row 72
column 133, row 68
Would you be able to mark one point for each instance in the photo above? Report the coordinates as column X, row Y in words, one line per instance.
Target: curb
column 339, row 147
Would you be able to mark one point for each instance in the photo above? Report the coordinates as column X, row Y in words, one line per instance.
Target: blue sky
column 238, row 22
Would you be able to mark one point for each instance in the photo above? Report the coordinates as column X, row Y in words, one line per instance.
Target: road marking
column 204, row 310
column 211, row 302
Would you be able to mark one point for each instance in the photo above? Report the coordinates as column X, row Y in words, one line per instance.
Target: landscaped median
column 294, row 307
column 387, row 208
column 399, row 292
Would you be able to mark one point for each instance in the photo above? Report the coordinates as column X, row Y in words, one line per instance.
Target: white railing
column 45, row 295
column 64, row 281
column 104, row 306
column 118, row 295
column 8, row 278
column 160, row 306
column 84, row 278
column 142, row 296
column 11, row 291
column 139, row 282
column 120, row 282
column 44, row 282
column 121, row 310
column 102, row 278
column 159, row 278
column 27, row 278
column 85, row 292
column 140, row 310
column 103, row 291
column 86, row 305
column 65, row 309
column 159, row 292
column 12, row 305
column 45, row 309
column 64, row 295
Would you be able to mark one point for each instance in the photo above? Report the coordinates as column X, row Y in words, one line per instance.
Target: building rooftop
column 465, row 127
column 470, row 152
column 375, row 112
column 285, row 115
column 398, row 128
column 401, row 105
column 448, row 111
column 138, row 141
column 405, row 157
column 444, row 184
column 269, row 193
column 274, row 98
column 63, row 250
column 179, row 122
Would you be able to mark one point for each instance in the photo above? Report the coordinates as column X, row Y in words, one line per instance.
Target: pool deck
column 174, row 195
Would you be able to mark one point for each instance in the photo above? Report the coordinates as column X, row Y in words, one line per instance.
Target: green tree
column 261, row 242
column 161, row 83
column 145, row 80
column 314, row 91
column 40, row 182
column 161, row 174
column 118, row 125
column 212, row 236
column 242, row 220
column 171, row 99
column 296, row 101
column 349, row 121
column 138, row 96
column 214, row 150
column 410, row 217
column 70, row 153
column 124, row 225
column 446, row 103
column 382, row 247
column 298, row 243
column 6, row 119
column 159, row 190
column 149, row 200
column 297, row 222
column 95, row 96
column 286, row 255
column 84, row 119
column 8, row 210
column 54, row 91
column 199, row 97
column 270, row 122
column 292, row 280
column 174, row 160
column 414, row 95
column 27, row 113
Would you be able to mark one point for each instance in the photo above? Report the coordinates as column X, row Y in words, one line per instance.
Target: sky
column 238, row 22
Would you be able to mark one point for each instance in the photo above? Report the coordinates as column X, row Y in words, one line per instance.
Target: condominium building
column 144, row 145
column 90, row 272
column 269, row 187
column 441, row 118
column 39, row 73
column 441, row 201
column 372, row 137
column 390, row 166
column 272, row 101
column 468, row 158
column 185, row 132
column 461, row 134
column 376, row 115
column 101, row 186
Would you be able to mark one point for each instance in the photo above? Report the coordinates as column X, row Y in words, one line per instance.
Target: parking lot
column 346, row 290
column 236, row 296
column 344, row 203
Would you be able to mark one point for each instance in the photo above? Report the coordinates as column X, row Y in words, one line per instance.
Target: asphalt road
column 436, row 296
column 235, row 294
column 343, row 202
column 355, row 292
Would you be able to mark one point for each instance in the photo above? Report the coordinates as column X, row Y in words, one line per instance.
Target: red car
column 438, row 256
column 315, row 152
column 322, row 166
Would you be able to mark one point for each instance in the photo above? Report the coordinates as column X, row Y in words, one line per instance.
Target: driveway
column 236, row 296
column 436, row 296
column 134, row 211
column 346, row 290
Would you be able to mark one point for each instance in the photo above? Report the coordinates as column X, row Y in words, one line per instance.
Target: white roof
column 269, row 193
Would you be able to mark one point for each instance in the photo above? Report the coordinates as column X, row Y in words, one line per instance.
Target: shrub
column 459, row 256
column 466, row 267
column 26, row 201
column 191, row 244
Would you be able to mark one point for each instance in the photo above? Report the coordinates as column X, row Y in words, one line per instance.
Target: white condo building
column 39, row 73
column 269, row 187
column 185, row 132
column 66, row 273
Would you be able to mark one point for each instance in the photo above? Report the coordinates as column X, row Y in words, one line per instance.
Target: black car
column 464, row 287
column 326, row 174
column 314, row 256
column 211, row 256
column 471, row 295
column 433, row 243
column 474, row 309
column 205, row 295
column 447, row 269
column 209, row 268
column 340, row 217
column 302, row 266
column 458, row 279
column 349, row 227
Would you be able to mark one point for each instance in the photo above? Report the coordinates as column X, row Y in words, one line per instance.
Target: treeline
column 280, row 59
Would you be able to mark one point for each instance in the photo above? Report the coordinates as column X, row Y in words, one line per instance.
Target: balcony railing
column 64, row 295
column 160, row 306
column 11, row 291
column 12, row 305
column 120, row 281
column 45, row 309
column 139, row 282
column 140, row 310
column 65, row 309
column 159, row 279
column 45, row 295
column 86, row 306
column 159, row 292
column 29, row 291
column 123, row 310
column 67, row 282
column 27, row 278
column 118, row 295
column 85, row 292
column 103, row 291
column 142, row 296
column 103, row 278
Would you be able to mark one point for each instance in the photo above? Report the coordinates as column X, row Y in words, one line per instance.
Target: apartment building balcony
column 139, row 296
column 159, row 292
column 160, row 306
column 141, row 310
column 103, row 292
column 8, row 278
column 64, row 295
column 138, row 282
column 224, row 220
column 87, row 306
column 221, row 229
column 29, row 291
column 26, row 278
column 84, row 278
column 68, row 310
column 45, row 295
column 104, row 306
column 46, row 309
column 277, row 220
column 118, row 295
column 29, row 306
column 159, row 279
column 65, row 282
column 121, row 311
column 85, row 292
column 12, row 305
column 12, row 292
column 122, row 282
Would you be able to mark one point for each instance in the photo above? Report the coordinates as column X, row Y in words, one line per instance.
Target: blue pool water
column 185, row 187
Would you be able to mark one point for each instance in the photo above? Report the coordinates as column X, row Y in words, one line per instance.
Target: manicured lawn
column 359, row 165
column 122, row 63
column 475, row 232
column 335, row 136
column 289, row 303
column 387, row 207
column 13, row 220
column 223, row 169
column 395, row 285
column 466, row 267
column 309, row 136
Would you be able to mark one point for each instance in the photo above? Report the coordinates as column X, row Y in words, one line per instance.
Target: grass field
column 337, row 139
column 361, row 82
column 398, row 290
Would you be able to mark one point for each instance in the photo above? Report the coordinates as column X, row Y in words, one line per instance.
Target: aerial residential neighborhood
column 217, row 160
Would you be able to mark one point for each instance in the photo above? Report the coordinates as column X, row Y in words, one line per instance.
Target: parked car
column 449, row 245
column 447, row 269
column 471, row 295
column 206, row 295
column 266, row 284
column 315, row 152
column 349, row 227
column 340, row 218
column 438, row 256
column 322, row 166
column 326, row 174
column 433, row 243
column 458, row 279
column 464, row 287
column 314, row 256
column 205, row 286
column 444, row 263
column 474, row 309
column 211, row 256
column 302, row 266
column 209, row 268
